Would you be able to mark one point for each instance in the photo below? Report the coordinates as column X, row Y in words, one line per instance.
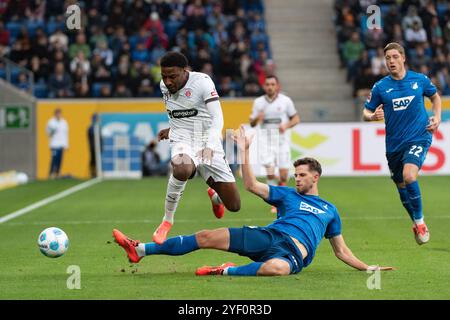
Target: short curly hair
column 174, row 59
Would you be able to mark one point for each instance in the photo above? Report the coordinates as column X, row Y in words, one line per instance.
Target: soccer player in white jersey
column 195, row 135
column 276, row 114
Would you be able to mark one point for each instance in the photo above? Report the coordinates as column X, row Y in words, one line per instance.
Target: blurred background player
column 58, row 132
column 276, row 114
column 398, row 99
column 284, row 247
column 195, row 134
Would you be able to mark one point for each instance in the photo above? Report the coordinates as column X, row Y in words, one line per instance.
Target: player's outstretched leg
column 213, row 271
column 272, row 267
column 174, row 246
column 128, row 244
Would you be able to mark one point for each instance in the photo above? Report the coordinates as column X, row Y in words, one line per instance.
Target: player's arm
column 294, row 117
column 293, row 121
column 373, row 108
column 215, row 131
column 344, row 254
column 257, row 115
column 254, row 122
column 435, row 120
column 251, row 184
column 212, row 104
column 376, row 115
column 51, row 130
column 163, row 134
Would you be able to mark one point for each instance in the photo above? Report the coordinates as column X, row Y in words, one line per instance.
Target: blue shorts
column 262, row 244
column 414, row 153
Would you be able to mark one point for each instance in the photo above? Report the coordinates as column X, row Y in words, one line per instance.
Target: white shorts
column 275, row 155
column 219, row 170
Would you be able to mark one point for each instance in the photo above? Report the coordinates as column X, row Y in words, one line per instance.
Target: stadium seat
column 32, row 26
column 171, row 28
column 52, row 26
column 14, row 28
column 170, row 40
column 97, row 87
column 40, row 90
column 15, row 75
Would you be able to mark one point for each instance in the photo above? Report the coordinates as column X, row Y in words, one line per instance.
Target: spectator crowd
column 421, row 26
column 117, row 51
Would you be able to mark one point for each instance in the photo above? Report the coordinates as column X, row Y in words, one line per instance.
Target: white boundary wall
column 357, row 149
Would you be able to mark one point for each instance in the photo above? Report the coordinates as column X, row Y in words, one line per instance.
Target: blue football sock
column 415, row 199
column 404, row 197
column 248, row 270
column 175, row 246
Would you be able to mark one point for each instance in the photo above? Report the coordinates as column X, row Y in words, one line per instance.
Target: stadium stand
column 422, row 27
column 117, row 51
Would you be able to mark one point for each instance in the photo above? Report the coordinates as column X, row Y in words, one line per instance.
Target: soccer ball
column 53, row 242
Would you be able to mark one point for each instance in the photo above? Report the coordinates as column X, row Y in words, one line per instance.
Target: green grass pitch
column 375, row 227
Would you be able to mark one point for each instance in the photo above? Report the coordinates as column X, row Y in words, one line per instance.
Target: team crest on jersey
column 414, row 85
column 188, row 93
column 402, row 103
column 306, row 207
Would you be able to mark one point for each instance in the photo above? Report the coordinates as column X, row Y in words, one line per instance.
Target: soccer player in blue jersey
column 284, row 247
column 398, row 99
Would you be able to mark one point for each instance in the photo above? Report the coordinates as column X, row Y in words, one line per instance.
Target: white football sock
column 175, row 190
column 418, row 221
column 140, row 249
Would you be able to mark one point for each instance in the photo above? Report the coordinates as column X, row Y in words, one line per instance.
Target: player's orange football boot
column 218, row 209
column 160, row 235
column 128, row 244
column 211, row 271
column 421, row 233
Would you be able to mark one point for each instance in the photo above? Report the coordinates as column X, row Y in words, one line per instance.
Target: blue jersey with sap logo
column 306, row 218
column 404, row 109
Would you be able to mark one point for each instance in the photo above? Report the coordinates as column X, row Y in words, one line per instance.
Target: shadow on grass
column 447, row 250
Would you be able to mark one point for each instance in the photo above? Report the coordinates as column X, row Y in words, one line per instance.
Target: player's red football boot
column 212, row 271
column 160, row 235
column 421, row 233
column 218, row 209
column 128, row 244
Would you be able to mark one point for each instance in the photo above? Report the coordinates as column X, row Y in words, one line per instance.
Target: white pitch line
column 48, row 200
column 185, row 221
